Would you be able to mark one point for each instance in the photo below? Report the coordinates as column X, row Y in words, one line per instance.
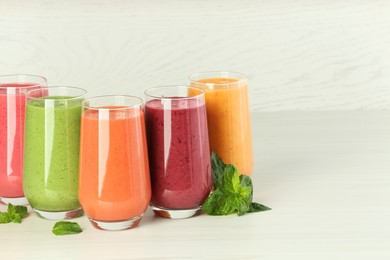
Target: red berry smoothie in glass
column 179, row 153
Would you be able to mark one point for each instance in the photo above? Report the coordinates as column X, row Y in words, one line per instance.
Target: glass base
column 59, row 215
column 116, row 225
column 176, row 213
column 19, row 201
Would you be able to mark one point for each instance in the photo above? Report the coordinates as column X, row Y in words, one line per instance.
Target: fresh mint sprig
column 232, row 193
column 14, row 214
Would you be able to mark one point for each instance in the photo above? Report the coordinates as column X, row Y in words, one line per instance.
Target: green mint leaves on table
column 66, row 228
column 14, row 214
column 4, row 218
column 232, row 192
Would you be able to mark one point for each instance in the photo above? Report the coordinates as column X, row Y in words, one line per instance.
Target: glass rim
column 122, row 107
column 28, row 94
column 202, row 92
column 35, row 84
column 240, row 76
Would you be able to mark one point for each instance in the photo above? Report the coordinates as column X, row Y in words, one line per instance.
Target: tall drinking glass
column 179, row 150
column 13, row 89
column 228, row 116
column 52, row 141
column 114, row 187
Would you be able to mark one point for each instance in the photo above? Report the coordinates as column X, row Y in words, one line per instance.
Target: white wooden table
column 325, row 174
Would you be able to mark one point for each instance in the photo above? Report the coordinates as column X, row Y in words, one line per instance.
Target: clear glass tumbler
column 114, row 187
column 179, row 150
column 13, row 89
column 52, row 143
column 228, row 116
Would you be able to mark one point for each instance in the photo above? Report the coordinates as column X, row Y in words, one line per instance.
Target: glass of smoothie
column 114, row 186
column 51, row 151
column 179, row 152
column 13, row 89
column 228, row 116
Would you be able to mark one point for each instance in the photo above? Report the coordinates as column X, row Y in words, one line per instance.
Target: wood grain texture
column 325, row 175
column 298, row 55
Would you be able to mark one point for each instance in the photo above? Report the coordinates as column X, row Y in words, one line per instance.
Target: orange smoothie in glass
column 114, row 180
column 228, row 117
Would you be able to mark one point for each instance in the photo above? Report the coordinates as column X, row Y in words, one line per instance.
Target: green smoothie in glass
column 51, row 160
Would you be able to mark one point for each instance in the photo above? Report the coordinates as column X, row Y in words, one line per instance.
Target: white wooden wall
column 298, row 54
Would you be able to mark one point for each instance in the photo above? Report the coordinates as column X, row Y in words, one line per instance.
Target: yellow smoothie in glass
column 228, row 117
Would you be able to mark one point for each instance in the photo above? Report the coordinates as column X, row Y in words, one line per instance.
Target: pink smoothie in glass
column 12, row 110
column 179, row 153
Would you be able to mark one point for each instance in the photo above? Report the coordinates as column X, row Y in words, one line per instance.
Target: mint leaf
column 233, row 193
column 22, row 211
column 246, row 181
column 65, row 228
column 13, row 215
column 218, row 204
column 245, row 201
column 256, row 207
column 4, row 218
column 230, row 180
column 11, row 209
column 218, row 167
column 15, row 218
